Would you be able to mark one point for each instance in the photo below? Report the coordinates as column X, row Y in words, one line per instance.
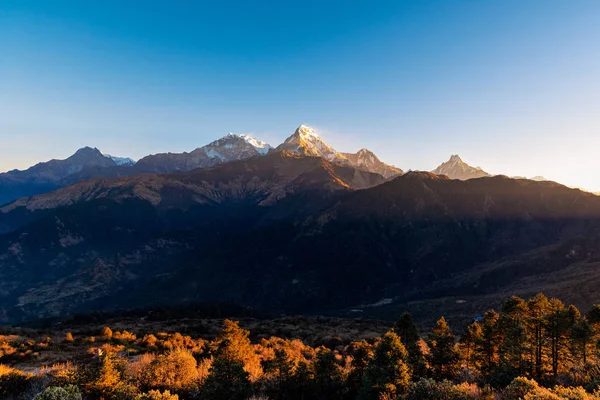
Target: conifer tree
column 537, row 307
column 513, row 349
column 233, row 343
column 281, row 372
column 407, row 330
column 443, row 358
column 227, row 380
column 328, row 377
column 361, row 353
column 388, row 372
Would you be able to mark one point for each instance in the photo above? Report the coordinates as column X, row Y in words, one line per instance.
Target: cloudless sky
column 512, row 86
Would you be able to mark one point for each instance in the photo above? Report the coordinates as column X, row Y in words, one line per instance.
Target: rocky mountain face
column 455, row 168
column 306, row 142
column 368, row 161
column 232, row 147
column 45, row 176
column 286, row 233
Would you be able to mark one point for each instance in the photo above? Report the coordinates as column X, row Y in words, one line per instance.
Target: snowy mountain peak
column 260, row 146
column 306, row 142
column 122, row 161
column 304, row 130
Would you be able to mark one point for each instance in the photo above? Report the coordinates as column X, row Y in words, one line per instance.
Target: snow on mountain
column 260, row 146
column 122, row 161
column 306, row 142
column 456, row 168
column 231, row 147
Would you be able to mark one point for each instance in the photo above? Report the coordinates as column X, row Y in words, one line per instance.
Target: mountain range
column 90, row 163
column 299, row 228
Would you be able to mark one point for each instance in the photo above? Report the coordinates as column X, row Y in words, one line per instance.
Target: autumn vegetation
column 537, row 348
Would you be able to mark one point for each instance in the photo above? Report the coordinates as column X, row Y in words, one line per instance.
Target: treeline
column 531, row 349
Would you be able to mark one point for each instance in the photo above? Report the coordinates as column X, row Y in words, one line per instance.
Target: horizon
column 509, row 86
column 275, row 145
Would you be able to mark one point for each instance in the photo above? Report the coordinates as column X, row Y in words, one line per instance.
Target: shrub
column 444, row 390
column 13, row 383
column 173, row 370
column 69, row 392
column 157, row 395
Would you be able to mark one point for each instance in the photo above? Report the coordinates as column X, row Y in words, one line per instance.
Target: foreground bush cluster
column 534, row 349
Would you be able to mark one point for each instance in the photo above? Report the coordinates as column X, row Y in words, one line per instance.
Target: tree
column 281, row 373
column 233, row 344
column 361, row 353
column 486, row 344
column 559, row 322
column 537, row 307
column 582, row 335
column 444, row 358
column 227, row 380
column 406, row 329
column 327, row 375
column 388, row 372
column 513, row 348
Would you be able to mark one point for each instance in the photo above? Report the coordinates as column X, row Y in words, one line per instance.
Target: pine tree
column 582, row 334
column 443, row 358
column 361, row 353
column 233, row 343
column 513, row 349
column 281, row 372
column 537, row 307
column 388, row 372
column 406, row 329
column 227, row 380
column 328, row 378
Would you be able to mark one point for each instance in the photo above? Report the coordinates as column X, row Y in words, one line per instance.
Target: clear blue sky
column 510, row 85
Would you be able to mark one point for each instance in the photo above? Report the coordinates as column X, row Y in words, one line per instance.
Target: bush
column 444, row 390
column 527, row 389
column 13, row 383
column 69, row 392
column 175, row 370
column 156, row 395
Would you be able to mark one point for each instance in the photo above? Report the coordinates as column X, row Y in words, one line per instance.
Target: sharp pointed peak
column 305, row 130
column 455, row 157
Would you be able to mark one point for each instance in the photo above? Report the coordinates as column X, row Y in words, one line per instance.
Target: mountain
column 122, row 161
column 45, row 176
column 306, row 142
column 229, row 148
column 455, row 168
column 292, row 234
column 368, row 161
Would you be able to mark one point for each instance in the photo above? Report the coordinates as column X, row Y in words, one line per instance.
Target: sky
column 512, row 86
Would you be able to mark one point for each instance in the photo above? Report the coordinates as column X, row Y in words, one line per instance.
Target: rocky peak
column 306, row 142
column 456, row 168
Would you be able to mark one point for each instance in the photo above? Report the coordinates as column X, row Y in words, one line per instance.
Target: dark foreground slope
column 283, row 233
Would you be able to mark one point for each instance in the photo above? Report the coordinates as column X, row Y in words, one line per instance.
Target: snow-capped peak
column 260, row 146
column 305, row 141
column 126, row 161
column 304, row 130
